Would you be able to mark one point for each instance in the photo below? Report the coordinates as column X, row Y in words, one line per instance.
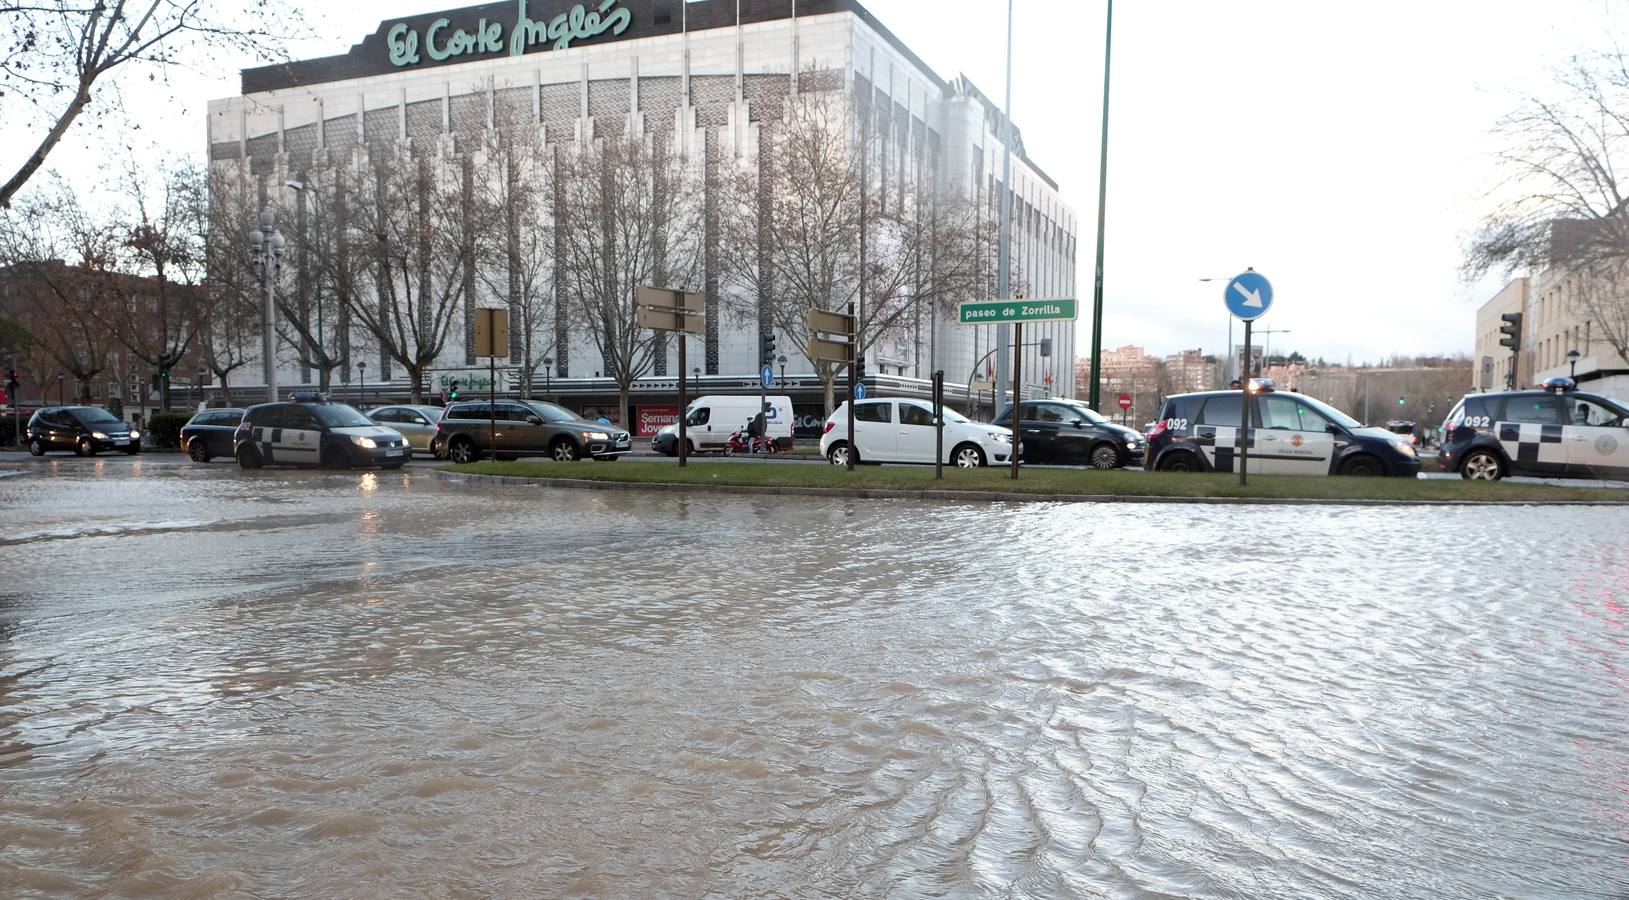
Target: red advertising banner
column 651, row 419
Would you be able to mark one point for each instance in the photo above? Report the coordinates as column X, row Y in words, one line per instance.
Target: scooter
column 740, row 442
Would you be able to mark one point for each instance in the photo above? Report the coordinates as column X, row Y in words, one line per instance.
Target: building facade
column 708, row 79
column 1557, row 321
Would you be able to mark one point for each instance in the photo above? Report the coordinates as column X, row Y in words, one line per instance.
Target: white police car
column 309, row 430
column 1556, row 431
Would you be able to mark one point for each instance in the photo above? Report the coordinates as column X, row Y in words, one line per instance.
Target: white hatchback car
column 901, row 431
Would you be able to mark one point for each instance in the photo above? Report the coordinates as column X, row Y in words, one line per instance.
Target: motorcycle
column 743, row 441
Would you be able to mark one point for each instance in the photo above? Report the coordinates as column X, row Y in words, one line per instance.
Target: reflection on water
column 351, row 684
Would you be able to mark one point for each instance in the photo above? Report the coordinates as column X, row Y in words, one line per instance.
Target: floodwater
column 307, row 684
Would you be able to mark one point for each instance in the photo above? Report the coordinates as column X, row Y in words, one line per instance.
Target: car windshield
column 1331, row 413
column 90, row 415
column 552, row 413
column 338, row 415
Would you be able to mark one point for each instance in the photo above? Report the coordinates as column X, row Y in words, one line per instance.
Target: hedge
column 164, row 429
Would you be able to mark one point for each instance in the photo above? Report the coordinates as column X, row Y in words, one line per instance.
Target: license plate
column 121, row 440
column 394, row 452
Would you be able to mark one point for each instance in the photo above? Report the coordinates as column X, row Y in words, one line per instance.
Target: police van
column 309, row 430
column 1290, row 434
column 1555, row 431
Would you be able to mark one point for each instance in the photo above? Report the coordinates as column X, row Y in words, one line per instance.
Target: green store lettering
column 576, row 24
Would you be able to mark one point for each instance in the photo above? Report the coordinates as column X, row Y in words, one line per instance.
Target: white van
column 710, row 420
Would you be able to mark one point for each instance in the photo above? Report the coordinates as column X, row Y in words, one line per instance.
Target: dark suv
column 1291, row 434
column 524, row 428
column 1071, row 433
column 314, row 432
column 1558, row 431
column 210, row 433
column 86, row 430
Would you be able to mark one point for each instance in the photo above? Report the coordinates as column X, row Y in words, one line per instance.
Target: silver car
column 416, row 423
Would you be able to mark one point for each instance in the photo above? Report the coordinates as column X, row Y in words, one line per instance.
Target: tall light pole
column 316, row 228
column 1102, row 200
column 1004, row 228
column 1230, row 359
column 266, row 249
column 361, row 383
column 1267, row 346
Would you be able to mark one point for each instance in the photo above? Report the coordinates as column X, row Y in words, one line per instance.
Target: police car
column 309, row 430
column 1291, row 434
column 1556, row 431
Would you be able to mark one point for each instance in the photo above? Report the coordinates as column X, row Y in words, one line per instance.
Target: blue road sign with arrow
column 1248, row 296
column 766, row 376
column 859, row 391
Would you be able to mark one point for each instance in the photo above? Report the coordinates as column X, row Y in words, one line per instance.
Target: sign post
column 1125, row 407
column 939, row 425
column 837, row 325
column 1017, row 312
column 492, row 341
column 680, row 312
column 1248, row 297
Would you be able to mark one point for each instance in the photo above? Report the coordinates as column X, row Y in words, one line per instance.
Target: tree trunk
column 623, row 389
column 37, row 158
column 415, row 371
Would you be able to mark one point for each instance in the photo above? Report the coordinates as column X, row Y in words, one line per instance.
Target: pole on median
column 939, row 425
column 853, row 363
column 683, row 440
column 1244, row 405
column 1017, row 388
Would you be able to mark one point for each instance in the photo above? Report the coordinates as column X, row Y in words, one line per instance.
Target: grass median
column 1042, row 482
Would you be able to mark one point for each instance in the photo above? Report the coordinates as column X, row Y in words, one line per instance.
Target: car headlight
column 134, row 434
column 596, row 436
column 99, row 435
column 1132, row 445
column 1001, row 437
column 365, row 443
column 1404, row 448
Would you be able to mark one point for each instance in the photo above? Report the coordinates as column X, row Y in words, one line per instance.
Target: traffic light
column 452, row 389
column 1400, row 401
column 766, row 346
column 859, row 369
column 1512, row 331
column 12, row 382
column 1046, row 347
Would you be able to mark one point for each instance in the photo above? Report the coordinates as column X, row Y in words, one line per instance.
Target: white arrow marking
column 1251, row 298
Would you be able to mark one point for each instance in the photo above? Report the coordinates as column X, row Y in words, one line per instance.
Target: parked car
column 710, row 420
column 416, row 423
column 1558, row 431
column 524, row 428
column 209, row 433
column 1290, row 434
column 902, row 431
column 86, row 430
column 311, row 431
column 1072, row 433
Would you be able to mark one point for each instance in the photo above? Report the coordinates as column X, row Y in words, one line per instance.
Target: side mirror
column 421, row 421
column 533, row 420
column 1332, row 429
column 1079, row 424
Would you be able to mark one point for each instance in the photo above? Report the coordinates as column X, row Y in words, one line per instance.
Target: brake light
column 1157, row 430
column 829, row 426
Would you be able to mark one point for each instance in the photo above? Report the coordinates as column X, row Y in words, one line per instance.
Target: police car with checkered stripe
column 1556, row 431
column 310, row 430
column 1290, row 434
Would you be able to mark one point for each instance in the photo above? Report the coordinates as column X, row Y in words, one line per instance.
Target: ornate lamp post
column 1572, row 358
column 266, row 249
column 361, row 383
column 548, row 372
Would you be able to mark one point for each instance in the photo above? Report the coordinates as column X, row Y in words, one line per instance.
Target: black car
column 1558, row 431
column 1291, row 434
column 209, row 433
column 311, row 431
column 86, row 430
column 524, row 428
column 1072, row 433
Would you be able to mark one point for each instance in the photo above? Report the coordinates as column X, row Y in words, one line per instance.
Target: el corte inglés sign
column 442, row 42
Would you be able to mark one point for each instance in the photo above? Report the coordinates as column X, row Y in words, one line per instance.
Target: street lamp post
column 62, row 396
column 548, row 373
column 782, row 360
column 316, row 227
column 361, row 383
column 266, row 249
column 1572, row 358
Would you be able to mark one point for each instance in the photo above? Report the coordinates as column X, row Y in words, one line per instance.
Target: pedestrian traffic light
column 766, row 346
column 1512, row 331
column 452, row 389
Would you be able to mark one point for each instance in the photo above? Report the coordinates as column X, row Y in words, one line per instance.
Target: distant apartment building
column 1189, row 371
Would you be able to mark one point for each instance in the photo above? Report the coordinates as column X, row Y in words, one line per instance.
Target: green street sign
column 989, row 312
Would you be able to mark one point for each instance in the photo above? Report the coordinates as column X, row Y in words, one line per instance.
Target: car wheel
column 1361, row 466
column 249, row 458
column 461, row 450
column 1104, row 456
column 1179, row 462
column 1481, row 465
column 967, row 456
column 198, row 451
column 36, row 447
column 335, row 458
column 564, row 450
column 837, row 454
column 85, row 448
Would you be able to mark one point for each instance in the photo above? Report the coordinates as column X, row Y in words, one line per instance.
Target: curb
column 972, row 496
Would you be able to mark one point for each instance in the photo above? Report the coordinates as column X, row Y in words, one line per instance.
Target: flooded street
column 318, row 684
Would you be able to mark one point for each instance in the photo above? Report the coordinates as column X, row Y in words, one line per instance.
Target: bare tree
column 232, row 319
column 61, row 51
column 518, row 255
column 635, row 218
column 422, row 223
column 1565, row 208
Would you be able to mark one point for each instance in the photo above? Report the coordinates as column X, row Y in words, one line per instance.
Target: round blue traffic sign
column 766, row 376
column 1248, row 296
column 859, row 391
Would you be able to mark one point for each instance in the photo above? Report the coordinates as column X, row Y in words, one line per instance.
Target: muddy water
column 325, row 685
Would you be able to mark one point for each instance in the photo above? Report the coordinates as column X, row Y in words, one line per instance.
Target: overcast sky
column 1344, row 150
